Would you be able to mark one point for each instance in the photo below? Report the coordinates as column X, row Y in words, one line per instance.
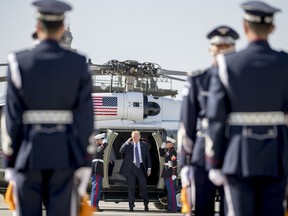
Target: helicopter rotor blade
column 3, row 78
column 173, row 78
column 172, row 72
column 99, row 69
column 96, row 69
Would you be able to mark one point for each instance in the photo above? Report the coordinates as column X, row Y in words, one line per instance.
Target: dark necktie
column 137, row 157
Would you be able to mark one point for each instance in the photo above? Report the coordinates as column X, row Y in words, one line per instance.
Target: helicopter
column 131, row 99
column 128, row 95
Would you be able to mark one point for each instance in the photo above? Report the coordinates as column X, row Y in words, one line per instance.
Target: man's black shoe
column 131, row 210
column 146, row 209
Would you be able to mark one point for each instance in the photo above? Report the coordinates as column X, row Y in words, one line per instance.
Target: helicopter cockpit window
column 153, row 109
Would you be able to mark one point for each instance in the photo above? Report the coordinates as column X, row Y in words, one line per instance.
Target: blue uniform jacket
column 51, row 78
column 255, row 81
column 193, row 111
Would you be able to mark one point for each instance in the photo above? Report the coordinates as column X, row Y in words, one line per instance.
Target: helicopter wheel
column 178, row 201
column 162, row 204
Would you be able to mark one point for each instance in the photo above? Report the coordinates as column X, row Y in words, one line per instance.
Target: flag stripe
column 105, row 106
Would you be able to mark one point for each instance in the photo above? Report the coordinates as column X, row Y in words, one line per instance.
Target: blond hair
column 135, row 132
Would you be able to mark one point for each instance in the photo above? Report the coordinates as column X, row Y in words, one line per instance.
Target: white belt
column 95, row 160
column 204, row 123
column 257, row 118
column 47, row 117
column 169, row 164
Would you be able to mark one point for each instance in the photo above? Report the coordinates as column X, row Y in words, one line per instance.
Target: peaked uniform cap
column 51, row 10
column 169, row 139
column 99, row 136
column 259, row 12
column 222, row 35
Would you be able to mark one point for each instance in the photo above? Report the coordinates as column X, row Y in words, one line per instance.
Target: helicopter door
column 111, row 136
column 158, row 141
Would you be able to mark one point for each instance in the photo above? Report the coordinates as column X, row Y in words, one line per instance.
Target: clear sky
column 168, row 32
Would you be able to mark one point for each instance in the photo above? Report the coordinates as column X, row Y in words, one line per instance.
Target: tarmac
column 110, row 209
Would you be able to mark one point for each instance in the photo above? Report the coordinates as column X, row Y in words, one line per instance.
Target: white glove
column 83, row 175
column 105, row 140
column 187, row 175
column 9, row 174
column 148, row 171
column 174, row 177
column 216, row 177
column 163, row 145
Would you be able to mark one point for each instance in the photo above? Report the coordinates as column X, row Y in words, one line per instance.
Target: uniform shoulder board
column 196, row 73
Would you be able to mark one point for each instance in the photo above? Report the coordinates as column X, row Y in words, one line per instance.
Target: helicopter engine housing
column 131, row 106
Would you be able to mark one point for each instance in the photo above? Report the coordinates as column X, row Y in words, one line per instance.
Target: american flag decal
column 105, row 106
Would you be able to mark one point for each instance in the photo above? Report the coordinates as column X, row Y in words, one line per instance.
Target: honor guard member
column 97, row 170
column 48, row 119
column 250, row 94
column 193, row 126
column 169, row 173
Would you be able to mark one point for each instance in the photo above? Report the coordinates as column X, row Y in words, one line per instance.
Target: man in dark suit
column 136, row 164
column 48, row 119
column 247, row 104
